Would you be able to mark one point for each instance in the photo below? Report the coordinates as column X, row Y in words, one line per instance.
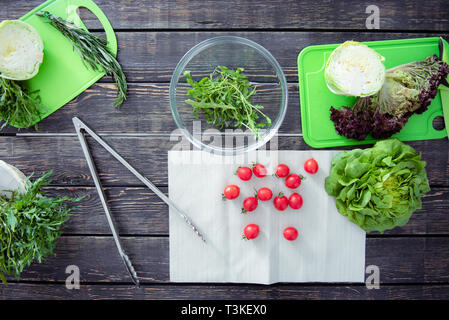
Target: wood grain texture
column 147, row 110
column 254, row 14
column 138, row 211
column 152, row 36
column 149, row 156
column 219, row 292
column 400, row 260
column 153, row 56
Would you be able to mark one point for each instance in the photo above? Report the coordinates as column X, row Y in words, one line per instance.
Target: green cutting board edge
column 62, row 75
column 316, row 99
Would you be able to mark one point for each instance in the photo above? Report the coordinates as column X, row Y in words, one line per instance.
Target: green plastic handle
column 72, row 7
column 444, row 91
column 445, row 53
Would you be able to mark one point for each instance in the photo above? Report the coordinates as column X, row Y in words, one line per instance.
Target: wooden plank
column 138, row 211
column 217, row 292
column 153, row 56
column 146, row 110
column 279, row 14
column 149, row 156
column 400, row 260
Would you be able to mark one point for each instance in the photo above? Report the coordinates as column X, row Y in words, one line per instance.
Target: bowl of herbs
column 228, row 95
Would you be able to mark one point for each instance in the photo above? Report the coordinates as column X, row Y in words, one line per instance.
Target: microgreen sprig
column 224, row 98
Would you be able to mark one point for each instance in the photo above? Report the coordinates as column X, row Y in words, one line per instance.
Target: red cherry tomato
column 290, row 233
column 282, row 171
column 259, row 170
column 250, row 204
column 295, row 201
column 293, row 181
column 311, row 166
column 244, row 173
column 231, row 192
column 251, row 231
column 280, row 202
column 264, row 194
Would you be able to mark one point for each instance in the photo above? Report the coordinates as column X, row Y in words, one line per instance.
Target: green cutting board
column 62, row 75
column 316, row 99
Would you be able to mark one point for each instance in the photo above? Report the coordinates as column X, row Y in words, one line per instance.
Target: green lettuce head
column 380, row 187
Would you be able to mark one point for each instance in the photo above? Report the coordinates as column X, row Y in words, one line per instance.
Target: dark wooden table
column 152, row 36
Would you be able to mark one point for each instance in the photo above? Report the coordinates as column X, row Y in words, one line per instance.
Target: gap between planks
column 274, row 30
column 137, row 135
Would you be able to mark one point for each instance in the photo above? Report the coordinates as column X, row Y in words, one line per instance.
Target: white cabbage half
column 353, row 69
column 11, row 179
column 21, row 50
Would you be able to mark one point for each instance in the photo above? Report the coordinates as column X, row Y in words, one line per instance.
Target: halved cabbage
column 21, row 50
column 11, row 179
column 353, row 69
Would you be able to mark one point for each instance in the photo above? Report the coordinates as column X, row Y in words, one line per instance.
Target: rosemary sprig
column 224, row 98
column 18, row 106
column 93, row 50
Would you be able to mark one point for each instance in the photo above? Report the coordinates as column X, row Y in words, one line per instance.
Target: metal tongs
column 80, row 129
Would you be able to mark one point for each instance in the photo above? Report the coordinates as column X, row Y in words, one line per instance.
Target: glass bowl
column 261, row 69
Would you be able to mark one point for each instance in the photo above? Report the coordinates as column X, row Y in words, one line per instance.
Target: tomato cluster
column 281, row 202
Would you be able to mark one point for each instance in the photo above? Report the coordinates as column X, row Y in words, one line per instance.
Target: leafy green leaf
column 380, row 187
column 11, row 220
column 224, row 98
column 18, row 106
column 30, row 224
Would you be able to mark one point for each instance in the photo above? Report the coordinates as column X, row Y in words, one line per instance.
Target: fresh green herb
column 93, row 50
column 18, row 106
column 380, row 187
column 30, row 224
column 224, row 98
